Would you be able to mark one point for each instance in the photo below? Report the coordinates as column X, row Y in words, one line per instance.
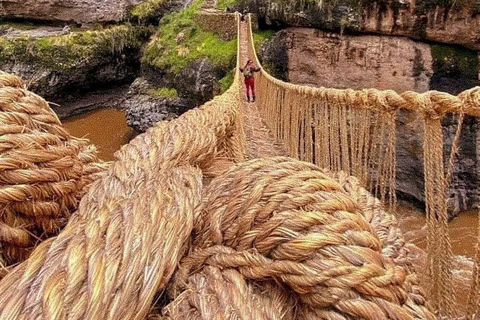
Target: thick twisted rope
column 43, row 170
column 111, row 258
column 215, row 293
column 286, row 221
column 390, row 236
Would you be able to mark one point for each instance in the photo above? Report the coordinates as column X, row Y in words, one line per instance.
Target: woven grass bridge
column 204, row 217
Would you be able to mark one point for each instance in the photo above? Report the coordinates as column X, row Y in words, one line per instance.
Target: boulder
column 198, row 81
column 144, row 110
column 273, row 55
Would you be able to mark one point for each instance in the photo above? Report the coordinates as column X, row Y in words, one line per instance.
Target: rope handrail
column 467, row 102
column 355, row 131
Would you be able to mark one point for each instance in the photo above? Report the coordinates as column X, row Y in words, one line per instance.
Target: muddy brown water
column 107, row 129
column 463, row 229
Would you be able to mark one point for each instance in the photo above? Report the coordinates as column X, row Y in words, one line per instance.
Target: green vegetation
column 454, row 61
column 18, row 25
column 147, row 9
column 163, row 92
column 226, row 81
column 66, row 51
column 260, row 36
column 223, row 4
column 180, row 41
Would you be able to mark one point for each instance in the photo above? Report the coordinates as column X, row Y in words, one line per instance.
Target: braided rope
column 287, row 221
column 215, row 293
column 119, row 220
column 43, row 171
column 109, row 261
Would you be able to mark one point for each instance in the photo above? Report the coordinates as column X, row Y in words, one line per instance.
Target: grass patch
column 226, row 81
column 163, row 92
column 260, row 36
column 24, row 26
column 223, row 4
column 147, row 9
column 170, row 55
column 66, row 51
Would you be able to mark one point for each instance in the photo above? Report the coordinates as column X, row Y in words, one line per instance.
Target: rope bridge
column 182, row 226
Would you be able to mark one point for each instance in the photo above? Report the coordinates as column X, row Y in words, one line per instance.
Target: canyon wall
column 330, row 60
column 316, row 58
column 79, row 11
column 445, row 21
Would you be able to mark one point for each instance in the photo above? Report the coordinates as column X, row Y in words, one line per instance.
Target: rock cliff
column 313, row 57
column 327, row 59
column 79, row 11
column 58, row 66
column 446, row 21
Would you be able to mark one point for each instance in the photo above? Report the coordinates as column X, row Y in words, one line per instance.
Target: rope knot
column 286, row 221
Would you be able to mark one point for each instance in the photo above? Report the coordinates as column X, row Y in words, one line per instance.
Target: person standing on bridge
column 248, row 72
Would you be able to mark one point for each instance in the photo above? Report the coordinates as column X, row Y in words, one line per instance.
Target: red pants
column 250, row 85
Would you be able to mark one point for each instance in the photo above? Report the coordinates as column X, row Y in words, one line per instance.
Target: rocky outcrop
column 143, row 110
column 326, row 59
column 71, row 64
column 445, row 21
column 441, row 21
column 86, row 11
column 197, row 82
column 273, row 55
column 79, row 11
column 463, row 191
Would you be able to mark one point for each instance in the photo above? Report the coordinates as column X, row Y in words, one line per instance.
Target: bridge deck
column 260, row 142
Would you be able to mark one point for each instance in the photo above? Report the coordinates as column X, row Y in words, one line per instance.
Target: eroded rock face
column 449, row 23
column 144, row 110
column 443, row 21
column 56, row 67
column 199, row 81
column 325, row 59
column 79, row 11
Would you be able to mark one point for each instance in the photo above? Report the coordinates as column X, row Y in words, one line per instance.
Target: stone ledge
column 222, row 23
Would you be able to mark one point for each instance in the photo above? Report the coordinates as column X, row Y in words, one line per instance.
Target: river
column 107, row 129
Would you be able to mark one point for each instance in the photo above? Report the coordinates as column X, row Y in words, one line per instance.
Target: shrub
column 165, row 53
column 163, row 92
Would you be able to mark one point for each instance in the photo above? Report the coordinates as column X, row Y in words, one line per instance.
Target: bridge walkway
column 259, row 141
